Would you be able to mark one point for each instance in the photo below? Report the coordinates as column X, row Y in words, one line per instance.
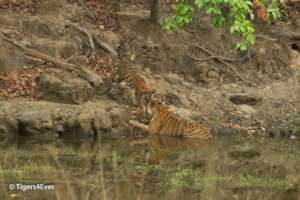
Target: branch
column 93, row 39
column 88, row 34
column 106, row 46
column 223, row 61
column 212, row 56
column 83, row 73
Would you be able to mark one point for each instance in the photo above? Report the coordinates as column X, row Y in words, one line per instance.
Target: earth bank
column 250, row 96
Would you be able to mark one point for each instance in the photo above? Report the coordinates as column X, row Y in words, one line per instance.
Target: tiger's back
column 166, row 122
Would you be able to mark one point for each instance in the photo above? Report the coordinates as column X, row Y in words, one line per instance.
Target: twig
column 219, row 58
column 265, row 37
column 212, row 56
column 87, row 11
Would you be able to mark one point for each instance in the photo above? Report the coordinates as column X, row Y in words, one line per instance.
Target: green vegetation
column 237, row 14
column 186, row 179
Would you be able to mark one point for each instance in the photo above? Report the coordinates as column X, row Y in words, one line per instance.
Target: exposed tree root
column 86, row 74
column 93, row 41
column 88, row 34
column 222, row 60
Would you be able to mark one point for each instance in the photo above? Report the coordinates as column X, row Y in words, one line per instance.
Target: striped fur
column 127, row 73
column 143, row 91
column 166, row 122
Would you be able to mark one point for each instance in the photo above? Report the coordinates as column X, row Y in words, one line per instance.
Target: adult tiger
column 166, row 122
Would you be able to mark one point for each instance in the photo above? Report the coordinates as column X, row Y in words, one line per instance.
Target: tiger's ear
column 156, row 96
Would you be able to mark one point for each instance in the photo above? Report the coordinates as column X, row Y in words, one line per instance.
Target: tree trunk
column 154, row 11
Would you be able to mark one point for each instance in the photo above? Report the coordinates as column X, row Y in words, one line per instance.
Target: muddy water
column 230, row 167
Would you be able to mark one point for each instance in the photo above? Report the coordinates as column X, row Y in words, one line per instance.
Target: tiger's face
column 156, row 104
column 148, row 97
column 126, row 50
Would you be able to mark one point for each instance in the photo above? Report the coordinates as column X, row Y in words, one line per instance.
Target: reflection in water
column 152, row 168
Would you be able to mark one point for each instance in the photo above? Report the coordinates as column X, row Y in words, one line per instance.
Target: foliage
column 186, row 178
column 237, row 14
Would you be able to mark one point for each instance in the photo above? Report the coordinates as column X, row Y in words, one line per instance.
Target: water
column 230, row 167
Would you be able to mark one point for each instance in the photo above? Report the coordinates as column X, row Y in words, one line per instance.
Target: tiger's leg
column 139, row 125
column 139, row 102
column 154, row 125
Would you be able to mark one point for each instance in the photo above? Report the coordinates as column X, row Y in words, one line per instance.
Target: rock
column 105, row 87
column 247, row 99
column 38, row 27
column 115, row 119
column 88, row 123
column 293, row 137
column 297, row 45
column 10, row 58
column 109, row 37
column 173, row 78
column 296, row 21
column 248, row 110
column 173, row 99
column 35, row 122
column 231, row 87
column 84, row 122
column 102, row 121
column 115, row 92
column 274, row 132
column 8, row 21
column 57, row 49
column 8, row 125
column 64, row 90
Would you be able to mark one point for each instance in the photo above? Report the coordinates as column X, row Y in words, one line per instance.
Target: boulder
column 33, row 122
column 8, row 123
column 57, row 49
column 68, row 89
column 102, row 121
column 88, row 123
column 173, row 78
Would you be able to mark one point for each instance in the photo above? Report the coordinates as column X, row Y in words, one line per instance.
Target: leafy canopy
column 237, row 14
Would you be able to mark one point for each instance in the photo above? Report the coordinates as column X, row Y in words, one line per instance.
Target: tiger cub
column 166, row 122
column 127, row 73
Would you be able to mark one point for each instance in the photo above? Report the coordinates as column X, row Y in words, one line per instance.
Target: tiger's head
column 157, row 104
column 148, row 96
column 126, row 51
